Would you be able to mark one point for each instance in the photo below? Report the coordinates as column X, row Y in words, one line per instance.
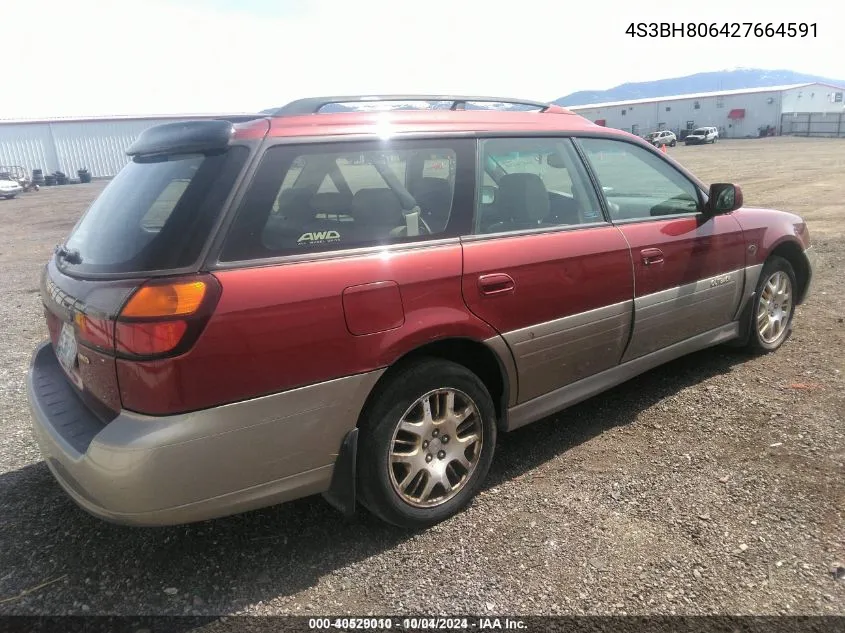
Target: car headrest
column 294, row 205
column 376, row 206
column 523, row 197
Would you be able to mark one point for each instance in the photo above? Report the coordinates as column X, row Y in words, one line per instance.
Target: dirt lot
column 715, row 484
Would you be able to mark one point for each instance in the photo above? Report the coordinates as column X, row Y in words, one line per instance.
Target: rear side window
column 323, row 197
column 153, row 216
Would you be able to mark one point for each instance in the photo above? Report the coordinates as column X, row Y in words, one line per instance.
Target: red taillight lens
column 95, row 331
column 149, row 339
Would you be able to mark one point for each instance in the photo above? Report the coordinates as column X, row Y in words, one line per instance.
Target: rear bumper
column 143, row 470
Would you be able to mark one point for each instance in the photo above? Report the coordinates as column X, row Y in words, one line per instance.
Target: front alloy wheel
column 775, row 306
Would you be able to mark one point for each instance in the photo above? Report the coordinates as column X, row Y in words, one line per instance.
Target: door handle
column 651, row 256
column 496, row 284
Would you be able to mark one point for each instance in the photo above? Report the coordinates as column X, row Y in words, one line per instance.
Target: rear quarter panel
column 283, row 326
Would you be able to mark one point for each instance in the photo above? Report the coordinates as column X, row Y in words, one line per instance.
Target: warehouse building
column 98, row 144
column 70, row 144
column 811, row 109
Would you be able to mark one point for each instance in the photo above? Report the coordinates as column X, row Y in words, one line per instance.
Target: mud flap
column 341, row 493
column 745, row 319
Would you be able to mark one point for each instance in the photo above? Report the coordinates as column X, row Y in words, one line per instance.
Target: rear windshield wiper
column 69, row 255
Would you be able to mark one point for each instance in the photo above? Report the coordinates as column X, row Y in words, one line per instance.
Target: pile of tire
column 84, row 175
column 38, row 176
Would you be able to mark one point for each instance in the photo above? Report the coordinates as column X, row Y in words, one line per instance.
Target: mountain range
column 699, row 82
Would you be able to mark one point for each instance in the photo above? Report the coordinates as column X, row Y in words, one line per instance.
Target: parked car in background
column 702, row 135
column 9, row 188
column 356, row 304
column 662, row 137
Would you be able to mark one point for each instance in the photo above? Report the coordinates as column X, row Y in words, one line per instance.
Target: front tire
column 426, row 443
column 774, row 306
column 673, row 143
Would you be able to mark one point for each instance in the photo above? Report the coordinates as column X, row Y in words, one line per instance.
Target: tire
column 395, row 491
column 673, row 143
column 775, row 268
column 656, row 144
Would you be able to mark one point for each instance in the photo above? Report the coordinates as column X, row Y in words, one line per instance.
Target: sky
column 105, row 57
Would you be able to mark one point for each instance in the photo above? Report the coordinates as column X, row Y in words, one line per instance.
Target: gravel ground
column 711, row 485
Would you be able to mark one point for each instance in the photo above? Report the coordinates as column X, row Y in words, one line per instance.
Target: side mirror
column 723, row 198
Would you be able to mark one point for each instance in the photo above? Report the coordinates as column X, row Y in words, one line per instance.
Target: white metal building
column 737, row 113
column 67, row 145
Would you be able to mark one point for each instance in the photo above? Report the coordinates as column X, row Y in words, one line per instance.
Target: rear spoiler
column 186, row 137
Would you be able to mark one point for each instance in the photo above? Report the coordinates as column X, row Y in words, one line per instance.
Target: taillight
column 165, row 300
column 165, row 317
column 95, row 331
column 162, row 317
column 148, row 339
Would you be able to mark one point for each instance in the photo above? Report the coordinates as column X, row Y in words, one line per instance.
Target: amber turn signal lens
column 175, row 299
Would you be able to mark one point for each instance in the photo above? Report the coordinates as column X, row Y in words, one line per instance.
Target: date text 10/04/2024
column 723, row 29
column 418, row 623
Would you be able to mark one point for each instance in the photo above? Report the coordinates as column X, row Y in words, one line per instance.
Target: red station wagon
column 355, row 303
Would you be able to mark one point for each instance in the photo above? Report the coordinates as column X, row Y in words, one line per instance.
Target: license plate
column 66, row 347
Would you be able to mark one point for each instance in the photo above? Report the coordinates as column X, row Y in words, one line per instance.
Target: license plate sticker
column 66, row 349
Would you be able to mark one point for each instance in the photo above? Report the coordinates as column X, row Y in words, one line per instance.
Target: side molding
column 576, row 392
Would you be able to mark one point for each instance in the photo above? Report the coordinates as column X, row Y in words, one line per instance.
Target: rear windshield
column 153, row 216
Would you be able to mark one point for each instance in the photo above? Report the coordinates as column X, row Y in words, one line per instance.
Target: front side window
column 533, row 183
column 324, row 197
column 636, row 183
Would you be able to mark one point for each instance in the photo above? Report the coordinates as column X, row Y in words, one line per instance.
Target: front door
column 689, row 270
column 543, row 267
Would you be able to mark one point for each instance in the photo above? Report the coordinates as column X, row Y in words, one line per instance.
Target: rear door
column 320, row 277
column 543, row 267
column 689, row 269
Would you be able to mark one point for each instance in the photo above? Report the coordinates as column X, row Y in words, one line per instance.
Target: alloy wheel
column 774, row 307
column 435, row 448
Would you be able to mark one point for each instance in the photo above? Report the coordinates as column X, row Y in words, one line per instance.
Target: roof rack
column 312, row 105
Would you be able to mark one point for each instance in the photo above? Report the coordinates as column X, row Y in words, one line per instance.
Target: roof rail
column 312, row 105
